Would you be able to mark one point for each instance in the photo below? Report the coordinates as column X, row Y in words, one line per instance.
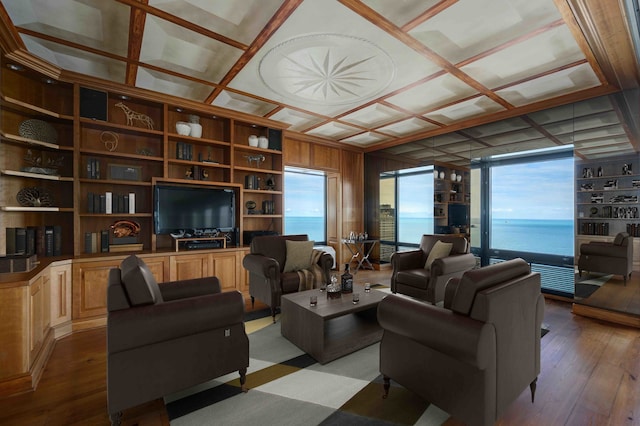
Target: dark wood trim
column 287, row 8
column 137, row 20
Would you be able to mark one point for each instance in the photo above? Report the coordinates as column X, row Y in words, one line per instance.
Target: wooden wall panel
column 334, row 216
column 296, row 153
column 352, row 195
column 325, row 157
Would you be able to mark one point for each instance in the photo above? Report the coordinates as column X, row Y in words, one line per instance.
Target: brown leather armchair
column 475, row 356
column 268, row 280
column 410, row 276
column 609, row 258
column 165, row 338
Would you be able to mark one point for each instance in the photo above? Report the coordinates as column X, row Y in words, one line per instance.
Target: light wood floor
column 589, row 376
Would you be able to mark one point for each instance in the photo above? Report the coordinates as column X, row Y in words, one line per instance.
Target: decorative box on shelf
column 18, row 263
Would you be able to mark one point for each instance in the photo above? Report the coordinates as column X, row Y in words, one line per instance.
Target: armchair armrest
column 174, row 290
column 262, row 265
column 149, row 324
column 454, row 263
column 410, row 259
column 325, row 261
column 458, row 336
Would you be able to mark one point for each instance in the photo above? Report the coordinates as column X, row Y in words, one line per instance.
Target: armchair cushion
column 440, row 249
column 298, row 255
column 418, row 278
column 138, row 281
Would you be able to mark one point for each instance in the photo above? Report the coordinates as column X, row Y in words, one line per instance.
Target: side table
column 360, row 251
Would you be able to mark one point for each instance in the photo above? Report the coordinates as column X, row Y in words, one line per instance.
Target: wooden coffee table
column 334, row 327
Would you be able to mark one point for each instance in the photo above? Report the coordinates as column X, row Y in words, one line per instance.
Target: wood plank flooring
column 589, row 376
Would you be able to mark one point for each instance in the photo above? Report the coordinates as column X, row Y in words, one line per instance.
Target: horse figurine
column 258, row 158
column 132, row 116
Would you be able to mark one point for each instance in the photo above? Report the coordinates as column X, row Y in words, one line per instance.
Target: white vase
column 196, row 130
column 253, row 140
column 183, row 128
column 263, row 142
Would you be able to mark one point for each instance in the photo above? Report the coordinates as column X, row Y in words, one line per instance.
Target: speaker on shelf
column 93, row 104
column 247, row 236
column 275, row 139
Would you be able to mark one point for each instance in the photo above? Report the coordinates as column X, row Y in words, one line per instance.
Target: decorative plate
column 125, row 228
column 34, row 197
column 38, row 130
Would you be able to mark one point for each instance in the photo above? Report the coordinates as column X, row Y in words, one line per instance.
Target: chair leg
column 386, row 386
column 243, row 379
column 273, row 314
column 253, row 302
column 533, row 386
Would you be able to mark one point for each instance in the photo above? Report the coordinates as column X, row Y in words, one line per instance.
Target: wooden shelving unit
column 220, row 157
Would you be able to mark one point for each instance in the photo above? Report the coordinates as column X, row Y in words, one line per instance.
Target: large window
column 523, row 206
column 532, row 207
column 415, row 205
column 305, row 203
column 406, row 208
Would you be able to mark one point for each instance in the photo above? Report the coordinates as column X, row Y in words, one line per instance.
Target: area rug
column 288, row 387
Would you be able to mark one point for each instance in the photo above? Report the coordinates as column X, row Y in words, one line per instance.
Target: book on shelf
column 132, row 203
column 40, row 241
column 48, row 240
column 108, row 202
column 93, row 168
column 16, row 241
column 57, row 240
column 31, row 240
column 104, row 240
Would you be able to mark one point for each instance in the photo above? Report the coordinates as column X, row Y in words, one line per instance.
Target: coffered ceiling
column 396, row 77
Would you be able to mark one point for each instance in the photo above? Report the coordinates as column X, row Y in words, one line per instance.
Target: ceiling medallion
column 327, row 69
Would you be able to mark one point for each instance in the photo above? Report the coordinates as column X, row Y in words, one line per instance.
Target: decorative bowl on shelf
column 34, row 197
column 183, row 128
column 38, row 130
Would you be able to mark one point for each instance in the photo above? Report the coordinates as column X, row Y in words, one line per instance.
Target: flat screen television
column 190, row 208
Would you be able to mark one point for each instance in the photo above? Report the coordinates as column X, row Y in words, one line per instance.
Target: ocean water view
column 528, row 235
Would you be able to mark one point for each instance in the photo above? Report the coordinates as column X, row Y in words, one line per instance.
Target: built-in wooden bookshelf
column 113, row 153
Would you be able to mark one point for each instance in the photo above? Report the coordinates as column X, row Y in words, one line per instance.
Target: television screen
column 185, row 208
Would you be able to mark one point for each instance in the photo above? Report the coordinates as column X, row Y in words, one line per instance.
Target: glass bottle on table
column 347, row 280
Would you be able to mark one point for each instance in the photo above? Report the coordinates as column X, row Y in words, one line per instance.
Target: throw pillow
column 298, row 255
column 439, row 250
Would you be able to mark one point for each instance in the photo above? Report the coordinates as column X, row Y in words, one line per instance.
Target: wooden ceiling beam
column 137, row 20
